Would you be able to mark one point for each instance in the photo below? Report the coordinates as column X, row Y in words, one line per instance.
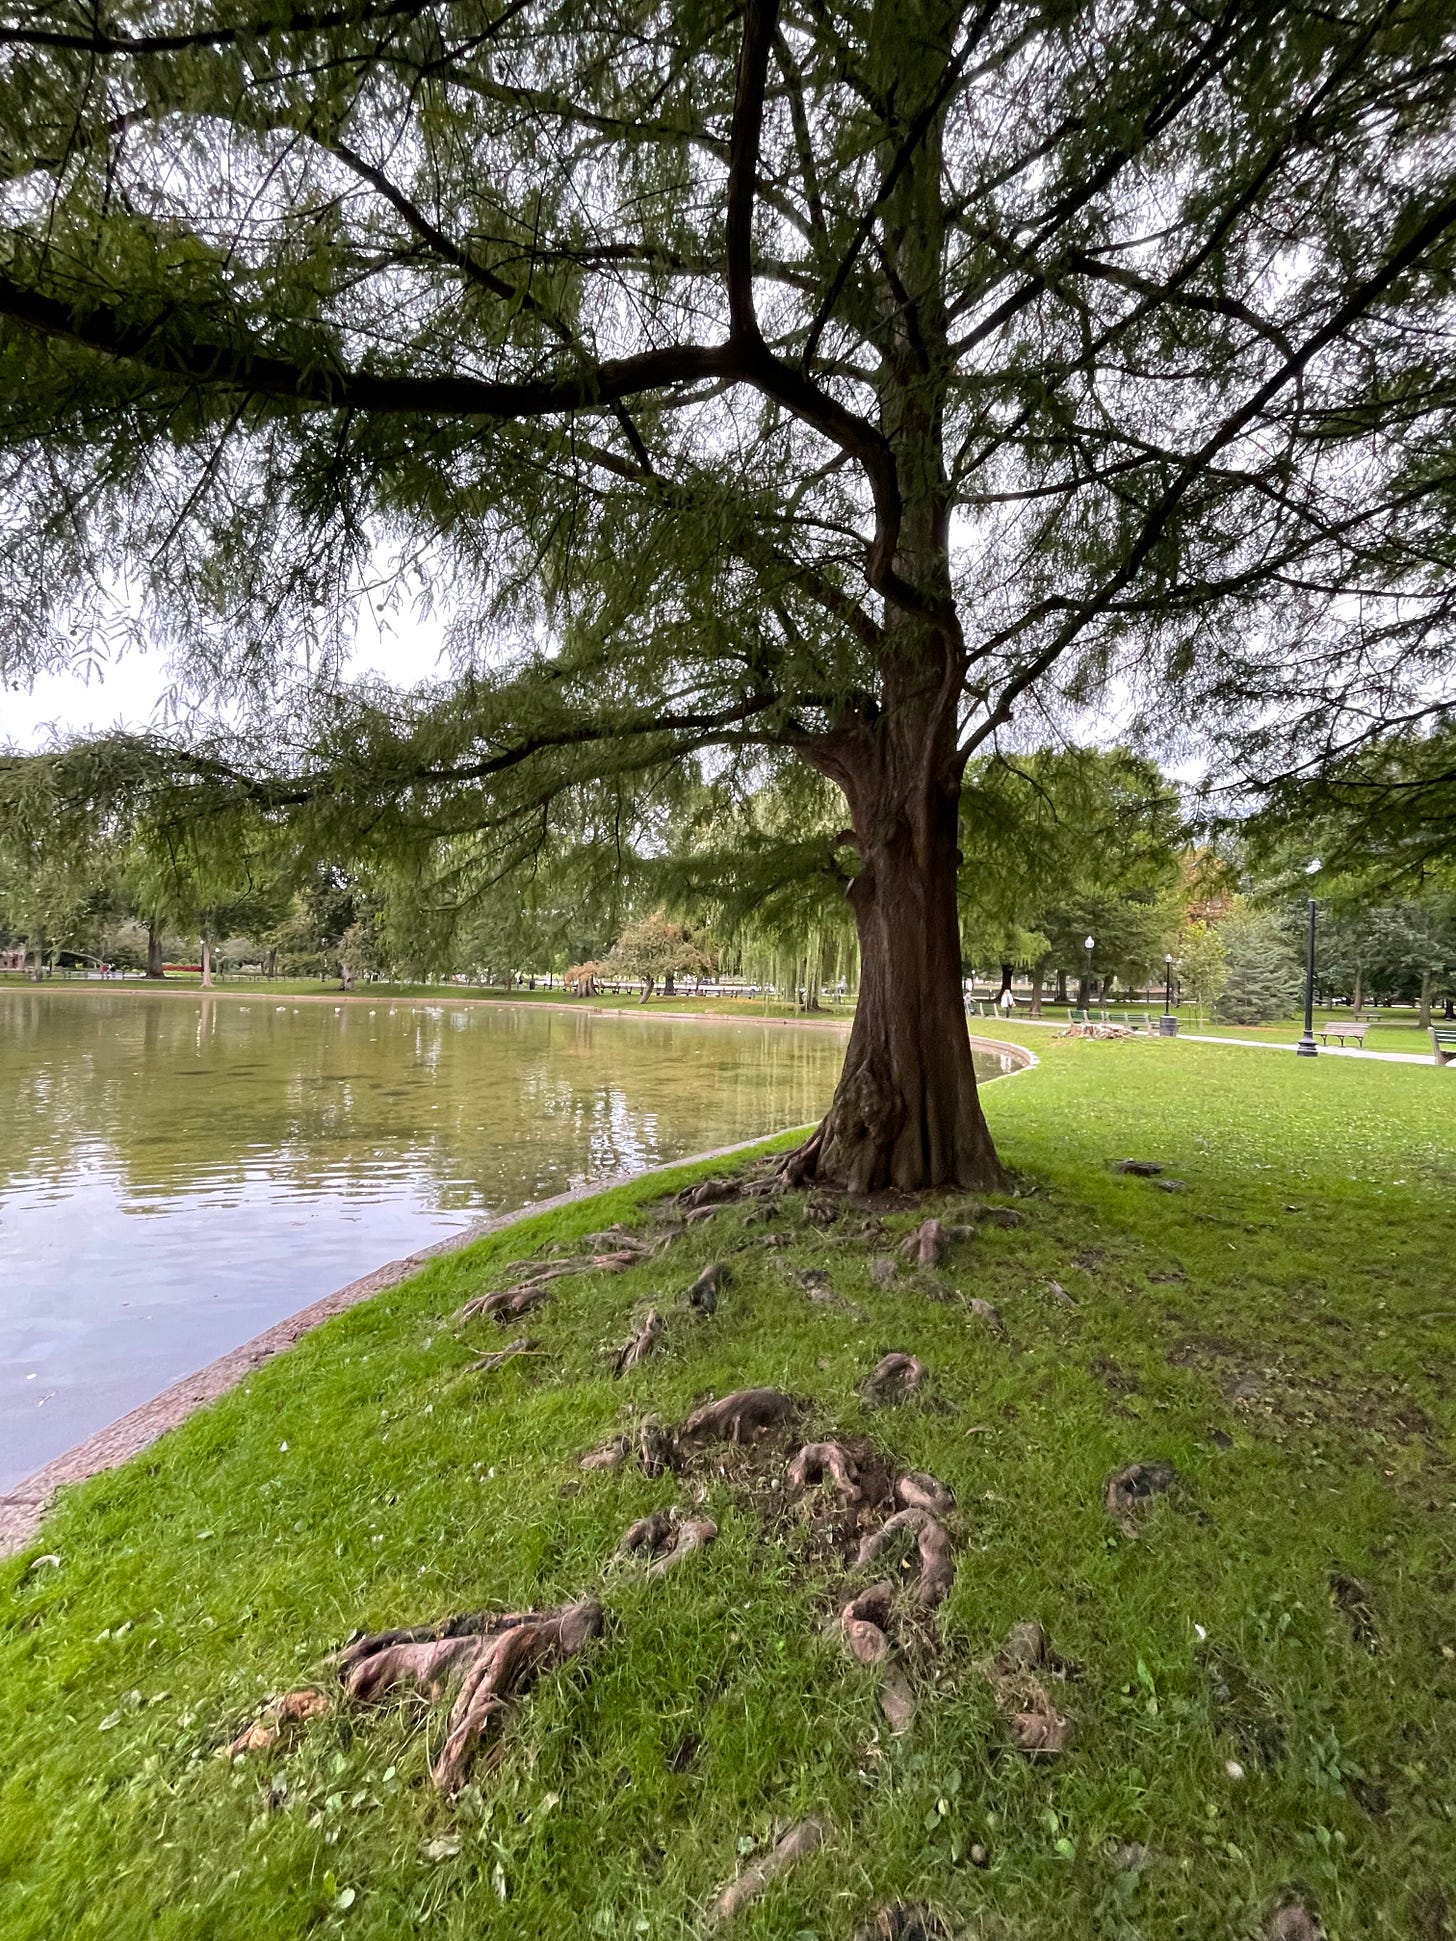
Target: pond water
column 178, row 1172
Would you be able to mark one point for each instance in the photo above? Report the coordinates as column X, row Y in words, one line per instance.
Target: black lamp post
column 1087, row 943
column 1307, row 1048
column 1167, row 984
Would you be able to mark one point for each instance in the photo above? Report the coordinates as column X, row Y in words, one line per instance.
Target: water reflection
column 178, row 1172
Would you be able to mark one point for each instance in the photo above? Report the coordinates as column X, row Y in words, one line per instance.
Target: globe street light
column 1307, row 1048
column 1087, row 943
column 1167, row 983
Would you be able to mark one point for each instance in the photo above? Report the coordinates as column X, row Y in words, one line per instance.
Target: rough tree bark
column 206, row 962
column 1061, row 990
column 906, row 1112
column 155, row 966
column 1038, row 978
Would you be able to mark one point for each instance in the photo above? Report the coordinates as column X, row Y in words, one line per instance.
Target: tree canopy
column 849, row 383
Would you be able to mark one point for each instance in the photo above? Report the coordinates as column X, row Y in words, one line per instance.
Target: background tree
column 1262, row 973
column 657, row 948
column 841, row 383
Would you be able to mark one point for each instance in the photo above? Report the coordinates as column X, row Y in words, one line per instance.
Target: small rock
column 883, row 1270
column 1139, row 1168
column 1042, row 1732
column 1060, row 1295
column 985, row 1311
column 1172, row 1186
column 902, row 1923
column 978, row 1855
column 1233, row 1769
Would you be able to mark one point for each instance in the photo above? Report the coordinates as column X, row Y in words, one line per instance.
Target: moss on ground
column 1249, row 1726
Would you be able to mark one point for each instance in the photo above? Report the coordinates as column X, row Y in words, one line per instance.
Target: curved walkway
column 1259, row 1044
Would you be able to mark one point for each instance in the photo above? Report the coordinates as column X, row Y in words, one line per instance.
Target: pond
column 178, row 1172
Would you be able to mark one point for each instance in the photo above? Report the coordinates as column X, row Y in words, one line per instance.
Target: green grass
column 363, row 1480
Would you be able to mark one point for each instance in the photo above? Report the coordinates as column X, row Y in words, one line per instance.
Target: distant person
column 1006, row 1001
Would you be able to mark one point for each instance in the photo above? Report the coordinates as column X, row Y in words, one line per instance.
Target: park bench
column 1443, row 1043
column 1076, row 1016
column 1136, row 1020
column 1343, row 1028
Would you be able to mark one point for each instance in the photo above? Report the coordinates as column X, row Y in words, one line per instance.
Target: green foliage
column 1262, row 980
column 1203, row 966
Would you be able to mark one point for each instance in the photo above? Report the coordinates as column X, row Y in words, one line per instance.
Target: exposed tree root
column 883, row 1270
column 989, row 1313
column 893, row 1379
column 738, row 1417
column 533, row 1289
column 704, row 1292
column 796, row 1845
column 931, row 1241
column 656, row 1448
column 665, row 1537
column 509, row 1303
column 293, row 1708
column 1353, row 1602
column 917, row 1489
column 1293, row 1922
column 902, row 1923
column 1139, row 1168
column 825, row 1462
column 1131, row 1489
column 488, row 1364
column 865, row 1626
column 937, row 1565
column 1017, row 1677
column 641, row 1345
column 607, row 1456
column 496, row 1656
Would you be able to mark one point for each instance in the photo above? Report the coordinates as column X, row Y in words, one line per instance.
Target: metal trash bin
column 1168, row 1027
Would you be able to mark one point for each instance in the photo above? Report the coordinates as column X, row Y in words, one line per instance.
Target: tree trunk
column 206, row 962
column 906, row 1112
column 669, row 984
column 1061, row 990
column 1425, row 1011
column 1038, row 976
column 1084, row 990
column 155, row 966
column 1357, row 999
column 271, row 970
column 647, row 984
column 1006, row 972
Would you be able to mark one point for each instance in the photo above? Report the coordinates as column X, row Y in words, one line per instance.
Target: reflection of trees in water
column 169, row 1093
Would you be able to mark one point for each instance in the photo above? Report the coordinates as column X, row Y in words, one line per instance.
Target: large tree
column 841, row 380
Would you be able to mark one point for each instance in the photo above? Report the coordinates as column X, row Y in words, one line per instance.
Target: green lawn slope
column 1264, row 1659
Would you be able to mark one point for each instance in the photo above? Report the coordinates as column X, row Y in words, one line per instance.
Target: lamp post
column 1167, row 983
column 1087, row 943
column 1307, row 1048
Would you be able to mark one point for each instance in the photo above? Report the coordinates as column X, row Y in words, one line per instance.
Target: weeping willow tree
column 851, row 382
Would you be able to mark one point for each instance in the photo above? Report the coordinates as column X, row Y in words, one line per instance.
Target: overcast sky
column 130, row 691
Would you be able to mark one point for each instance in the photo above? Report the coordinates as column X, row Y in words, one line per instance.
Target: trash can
column 1168, row 1027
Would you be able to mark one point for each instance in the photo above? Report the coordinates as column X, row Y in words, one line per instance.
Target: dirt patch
column 1352, row 1601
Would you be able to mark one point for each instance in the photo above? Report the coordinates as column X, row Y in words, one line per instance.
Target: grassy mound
column 1263, row 1656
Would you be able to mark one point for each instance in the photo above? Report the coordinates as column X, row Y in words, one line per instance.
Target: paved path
column 1259, row 1044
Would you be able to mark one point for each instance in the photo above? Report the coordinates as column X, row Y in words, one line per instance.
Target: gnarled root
column 931, row 1241
column 509, row 1303
column 533, row 1289
column 704, row 1292
column 825, row 1462
column 738, row 1417
column 293, row 1708
column 902, row 1923
column 796, row 1845
column 485, row 1663
column 641, row 1345
column 893, row 1379
column 1131, row 1489
column 609, row 1455
column 488, row 1364
column 665, row 1537
column 917, row 1489
column 937, row 1565
column 1017, row 1676
column 865, row 1625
